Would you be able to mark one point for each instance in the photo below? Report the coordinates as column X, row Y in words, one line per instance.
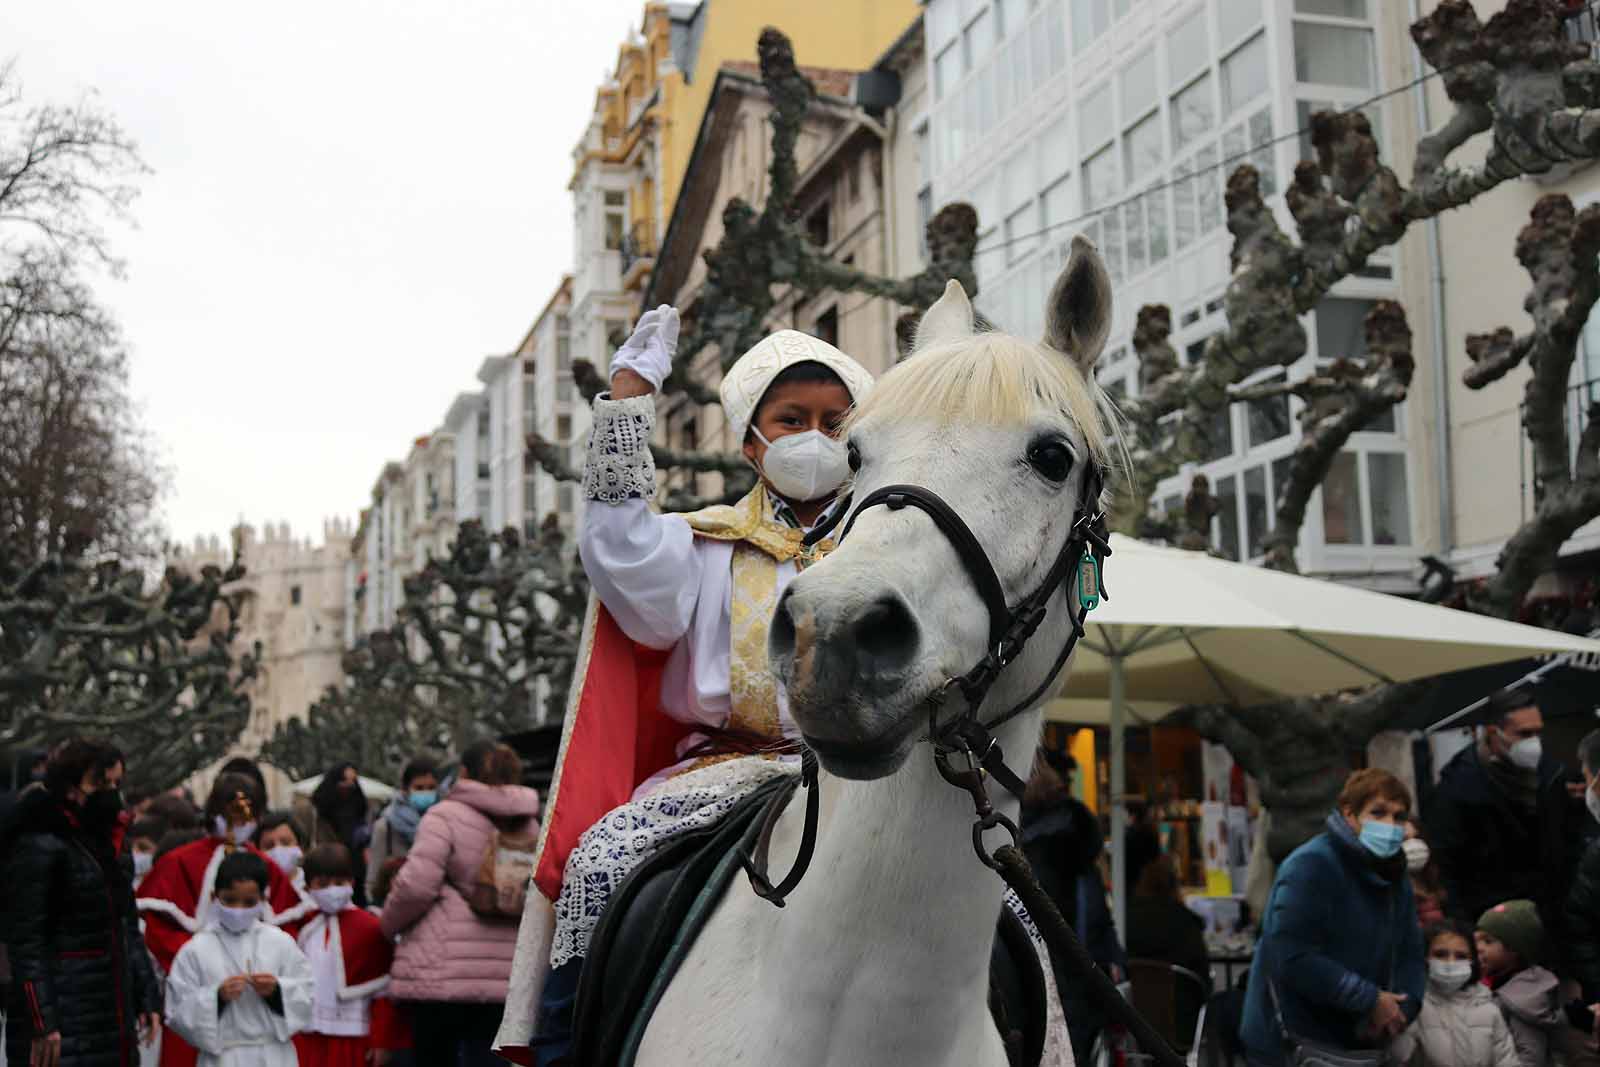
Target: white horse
column 881, row 956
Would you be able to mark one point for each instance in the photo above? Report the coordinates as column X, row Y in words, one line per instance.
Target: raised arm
column 643, row 565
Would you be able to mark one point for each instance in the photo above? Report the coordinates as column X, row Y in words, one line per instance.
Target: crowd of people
column 153, row 931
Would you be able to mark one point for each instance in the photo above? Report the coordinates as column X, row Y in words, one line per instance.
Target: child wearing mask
column 282, row 839
column 142, row 839
column 350, row 961
column 240, row 989
column 1509, row 939
column 1460, row 1024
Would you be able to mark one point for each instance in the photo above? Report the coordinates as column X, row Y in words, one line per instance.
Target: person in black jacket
column 82, row 986
column 1502, row 823
column 1583, row 899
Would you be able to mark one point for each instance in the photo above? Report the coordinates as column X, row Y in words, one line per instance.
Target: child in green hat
column 1510, row 939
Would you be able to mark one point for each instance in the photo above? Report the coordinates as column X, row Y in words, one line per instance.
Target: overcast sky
column 353, row 202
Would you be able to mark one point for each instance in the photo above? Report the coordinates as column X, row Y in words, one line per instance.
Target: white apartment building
column 1121, row 119
column 411, row 518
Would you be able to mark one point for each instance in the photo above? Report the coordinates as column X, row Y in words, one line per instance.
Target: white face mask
column 1526, row 753
column 805, row 466
column 287, row 857
column 1416, row 850
column 333, row 899
column 1449, row 975
column 240, row 834
column 142, row 862
column 237, row 920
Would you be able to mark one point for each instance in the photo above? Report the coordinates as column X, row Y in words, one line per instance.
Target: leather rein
column 1086, row 547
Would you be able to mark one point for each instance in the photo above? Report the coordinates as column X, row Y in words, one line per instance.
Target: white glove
column 648, row 351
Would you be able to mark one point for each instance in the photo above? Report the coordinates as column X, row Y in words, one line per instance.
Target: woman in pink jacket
column 452, row 966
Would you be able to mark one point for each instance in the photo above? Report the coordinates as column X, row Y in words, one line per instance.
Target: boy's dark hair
column 274, row 819
column 151, row 826
column 416, row 768
column 250, row 769
column 173, row 839
column 174, row 810
column 805, row 373
column 228, row 788
column 328, row 861
column 242, row 866
column 1459, row 929
column 73, row 760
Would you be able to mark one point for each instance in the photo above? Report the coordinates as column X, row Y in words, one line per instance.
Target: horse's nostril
column 886, row 636
column 780, row 638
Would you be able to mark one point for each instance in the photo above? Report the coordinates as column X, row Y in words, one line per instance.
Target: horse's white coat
column 881, row 956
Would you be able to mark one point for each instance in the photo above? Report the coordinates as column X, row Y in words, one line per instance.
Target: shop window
column 1341, row 502
column 1257, row 511
column 1267, row 420
column 1187, row 47
column 1244, row 74
column 1194, row 112
column 1227, row 493
column 1388, row 502
column 1333, row 55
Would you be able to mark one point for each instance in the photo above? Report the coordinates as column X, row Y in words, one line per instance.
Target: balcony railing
column 637, row 244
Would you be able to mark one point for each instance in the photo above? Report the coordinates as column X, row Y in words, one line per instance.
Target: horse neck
column 894, row 875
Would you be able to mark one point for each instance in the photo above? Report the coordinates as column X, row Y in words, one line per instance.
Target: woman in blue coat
column 1340, row 944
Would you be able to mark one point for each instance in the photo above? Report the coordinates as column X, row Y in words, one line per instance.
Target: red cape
column 170, row 896
column 615, row 738
column 364, row 953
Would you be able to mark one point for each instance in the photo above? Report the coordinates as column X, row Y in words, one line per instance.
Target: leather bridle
column 967, row 735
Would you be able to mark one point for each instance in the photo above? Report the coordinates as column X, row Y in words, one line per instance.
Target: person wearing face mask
column 1460, row 1024
column 683, row 603
column 350, row 960
column 1425, row 884
column 1339, row 964
column 395, row 828
column 1501, row 822
column 280, row 837
column 1583, row 920
column 178, row 895
column 240, row 989
column 82, row 987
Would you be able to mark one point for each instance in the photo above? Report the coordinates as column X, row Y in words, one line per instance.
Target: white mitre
column 748, row 379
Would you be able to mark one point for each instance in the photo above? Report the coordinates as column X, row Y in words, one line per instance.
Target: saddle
column 657, row 912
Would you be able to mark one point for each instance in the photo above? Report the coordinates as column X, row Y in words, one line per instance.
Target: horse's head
column 1006, row 432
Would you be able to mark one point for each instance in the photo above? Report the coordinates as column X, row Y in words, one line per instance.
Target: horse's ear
column 1078, row 318
column 950, row 318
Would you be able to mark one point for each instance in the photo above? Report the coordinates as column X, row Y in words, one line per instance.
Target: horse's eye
column 1052, row 459
column 853, row 456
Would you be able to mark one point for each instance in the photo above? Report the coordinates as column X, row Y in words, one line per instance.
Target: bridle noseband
column 1085, row 550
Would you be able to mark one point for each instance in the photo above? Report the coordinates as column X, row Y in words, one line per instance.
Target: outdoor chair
column 1159, row 990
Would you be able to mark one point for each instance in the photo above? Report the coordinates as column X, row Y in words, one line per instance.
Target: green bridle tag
column 1088, row 581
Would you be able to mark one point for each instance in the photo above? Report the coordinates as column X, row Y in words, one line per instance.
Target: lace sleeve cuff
column 619, row 466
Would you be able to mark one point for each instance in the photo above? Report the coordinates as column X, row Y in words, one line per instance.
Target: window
column 827, row 326
column 1057, row 203
column 616, row 219
column 483, row 472
column 1055, row 151
column 483, row 422
column 1387, row 501
column 1090, row 18
column 946, row 70
column 1021, row 234
column 1194, row 112
column 1341, row 503
column 1141, row 148
column 1344, row 9
column 294, row 595
column 1257, row 508
column 819, row 225
column 1219, row 435
column 980, row 38
column 1341, row 329
column 1099, row 178
column 1156, row 224
column 1139, row 84
column 1244, row 74
column 1333, row 55
column 1096, row 124
column 1208, row 186
column 1235, row 18
column 1227, row 494
column 1187, row 47
column 1267, row 420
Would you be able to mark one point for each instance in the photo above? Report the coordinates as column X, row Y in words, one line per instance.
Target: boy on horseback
column 675, row 715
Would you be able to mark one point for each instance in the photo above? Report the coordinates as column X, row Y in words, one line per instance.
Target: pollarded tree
column 1517, row 78
column 483, row 635
column 85, row 648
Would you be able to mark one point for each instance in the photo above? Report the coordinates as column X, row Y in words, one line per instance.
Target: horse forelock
column 995, row 379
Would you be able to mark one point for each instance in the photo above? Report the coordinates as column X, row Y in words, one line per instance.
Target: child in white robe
column 240, row 989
